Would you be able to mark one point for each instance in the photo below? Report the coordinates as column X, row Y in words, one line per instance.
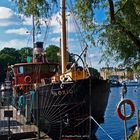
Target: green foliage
column 5, row 60
column 85, row 12
column 10, row 52
column 94, row 72
column 52, row 53
column 118, row 33
column 10, row 56
column 137, row 68
column 37, row 8
column 24, row 52
column 120, row 30
column 134, row 136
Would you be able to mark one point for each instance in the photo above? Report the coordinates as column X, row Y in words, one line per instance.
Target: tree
column 52, row 53
column 24, row 52
column 5, row 60
column 10, row 56
column 94, row 72
column 36, row 8
column 11, row 52
column 119, row 32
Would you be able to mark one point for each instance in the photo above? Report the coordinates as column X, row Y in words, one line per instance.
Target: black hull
column 65, row 109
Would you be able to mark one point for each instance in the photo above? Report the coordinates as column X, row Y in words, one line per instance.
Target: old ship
column 66, row 104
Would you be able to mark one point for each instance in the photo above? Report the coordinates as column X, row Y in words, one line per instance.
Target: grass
column 134, row 136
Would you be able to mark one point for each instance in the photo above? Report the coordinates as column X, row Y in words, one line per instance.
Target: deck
column 18, row 127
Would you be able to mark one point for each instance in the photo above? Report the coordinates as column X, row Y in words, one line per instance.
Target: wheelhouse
column 28, row 75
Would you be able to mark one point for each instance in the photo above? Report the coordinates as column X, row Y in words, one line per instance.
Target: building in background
column 123, row 74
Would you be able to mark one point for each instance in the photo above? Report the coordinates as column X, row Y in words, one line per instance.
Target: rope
column 51, row 103
column 77, row 25
column 101, row 128
column 32, row 93
column 78, row 30
column 47, row 23
column 80, row 34
column 29, row 38
column 21, row 102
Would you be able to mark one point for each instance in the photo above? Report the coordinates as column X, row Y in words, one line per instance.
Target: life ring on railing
column 119, row 106
column 28, row 79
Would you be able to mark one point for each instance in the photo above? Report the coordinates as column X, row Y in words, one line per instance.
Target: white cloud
column 5, row 23
column 71, row 24
column 70, row 40
column 6, row 13
column 56, row 19
column 95, row 55
column 15, row 43
column 56, row 23
column 97, row 65
column 55, row 40
column 27, row 21
column 93, row 59
column 7, row 17
column 20, row 31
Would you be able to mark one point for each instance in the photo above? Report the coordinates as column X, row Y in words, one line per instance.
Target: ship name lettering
column 62, row 92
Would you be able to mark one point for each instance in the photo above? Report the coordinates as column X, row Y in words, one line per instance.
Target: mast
column 63, row 38
column 33, row 36
column 33, row 22
column 38, row 51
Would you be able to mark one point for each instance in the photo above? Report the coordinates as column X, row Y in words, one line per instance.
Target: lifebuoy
column 119, row 106
column 28, row 79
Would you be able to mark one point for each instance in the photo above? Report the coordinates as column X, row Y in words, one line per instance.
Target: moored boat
column 115, row 83
column 65, row 101
column 134, row 82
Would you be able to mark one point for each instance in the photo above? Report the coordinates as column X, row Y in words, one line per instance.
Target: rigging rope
column 101, row 128
column 52, row 114
column 32, row 93
column 57, row 101
column 21, row 102
column 29, row 39
column 47, row 24
column 78, row 30
column 77, row 25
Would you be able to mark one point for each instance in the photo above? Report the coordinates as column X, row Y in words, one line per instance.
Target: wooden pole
column 124, row 90
column 33, row 22
column 138, row 122
column 9, row 135
column 63, row 38
column 38, row 115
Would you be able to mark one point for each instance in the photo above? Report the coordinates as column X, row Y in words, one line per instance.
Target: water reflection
column 113, row 125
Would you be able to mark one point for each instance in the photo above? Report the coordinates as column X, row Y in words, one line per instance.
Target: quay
column 15, row 126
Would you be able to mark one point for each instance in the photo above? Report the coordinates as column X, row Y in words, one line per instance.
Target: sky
column 16, row 32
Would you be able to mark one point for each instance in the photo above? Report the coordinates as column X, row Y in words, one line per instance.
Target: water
column 113, row 125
